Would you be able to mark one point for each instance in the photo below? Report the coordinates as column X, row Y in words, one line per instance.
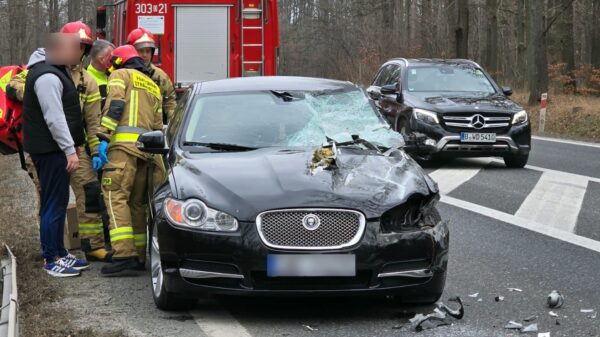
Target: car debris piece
column 499, row 298
column 530, row 328
column 515, row 289
column 544, row 334
column 586, row 311
column 513, row 325
column 308, row 327
column 553, row 314
column 530, row 318
column 474, row 295
column 323, row 159
column 555, row 299
column 438, row 318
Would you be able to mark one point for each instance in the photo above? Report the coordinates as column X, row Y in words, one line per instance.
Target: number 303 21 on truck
column 200, row 40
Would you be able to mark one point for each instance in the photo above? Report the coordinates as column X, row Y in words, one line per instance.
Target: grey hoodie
column 49, row 89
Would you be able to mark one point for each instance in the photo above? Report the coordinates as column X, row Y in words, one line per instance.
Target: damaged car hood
column 245, row 184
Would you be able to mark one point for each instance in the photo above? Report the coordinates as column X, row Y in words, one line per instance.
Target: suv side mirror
column 392, row 89
column 152, row 142
column 507, row 91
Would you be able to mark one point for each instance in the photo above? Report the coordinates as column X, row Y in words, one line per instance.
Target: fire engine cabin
column 200, row 40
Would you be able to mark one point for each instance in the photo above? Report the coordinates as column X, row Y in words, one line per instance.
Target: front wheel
column 163, row 299
column 516, row 161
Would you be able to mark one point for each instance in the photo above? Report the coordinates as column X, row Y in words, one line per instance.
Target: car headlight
column 428, row 117
column 193, row 213
column 413, row 215
column 520, row 117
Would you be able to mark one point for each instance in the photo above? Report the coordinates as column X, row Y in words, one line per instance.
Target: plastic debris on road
column 499, row 298
column 544, row 334
column 553, row 314
column 439, row 316
column 473, row 295
column 530, row 328
column 513, row 325
column 530, row 318
column 515, row 289
column 555, row 299
column 310, row 328
column 587, row 311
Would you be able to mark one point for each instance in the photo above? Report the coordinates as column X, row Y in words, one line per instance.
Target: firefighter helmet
column 141, row 38
column 78, row 27
column 121, row 55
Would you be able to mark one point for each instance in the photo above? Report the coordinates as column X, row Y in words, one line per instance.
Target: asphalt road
column 535, row 229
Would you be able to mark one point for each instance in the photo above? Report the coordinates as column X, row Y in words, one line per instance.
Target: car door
column 388, row 104
column 374, row 91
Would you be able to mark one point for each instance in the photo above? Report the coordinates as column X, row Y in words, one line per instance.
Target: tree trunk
column 53, row 15
column 462, row 29
column 537, row 56
column 565, row 29
column 492, row 36
column 596, row 34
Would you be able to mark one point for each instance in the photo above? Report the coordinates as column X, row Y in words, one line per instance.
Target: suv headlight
column 520, row 117
column 193, row 213
column 428, row 117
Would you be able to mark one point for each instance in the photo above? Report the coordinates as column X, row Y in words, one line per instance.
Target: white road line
column 566, row 141
column 449, row 179
column 524, row 223
column 555, row 200
column 217, row 322
column 543, row 169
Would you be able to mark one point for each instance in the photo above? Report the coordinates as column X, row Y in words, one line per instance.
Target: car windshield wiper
column 356, row 140
column 284, row 95
column 220, row 146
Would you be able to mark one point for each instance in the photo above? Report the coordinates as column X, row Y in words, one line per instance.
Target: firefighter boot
column 99, row 254
column 121, row 267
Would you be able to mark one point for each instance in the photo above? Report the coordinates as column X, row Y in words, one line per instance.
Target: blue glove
column 102, row 148
column 97, row 163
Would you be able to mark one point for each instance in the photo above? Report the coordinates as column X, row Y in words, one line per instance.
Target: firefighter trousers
column 124, row 185
column 86, row 187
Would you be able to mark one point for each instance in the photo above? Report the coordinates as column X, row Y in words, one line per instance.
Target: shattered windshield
column 448, row 78
column 287, row 119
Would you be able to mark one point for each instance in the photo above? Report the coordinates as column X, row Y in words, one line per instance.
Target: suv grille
column 310, row 229
column 478, row 121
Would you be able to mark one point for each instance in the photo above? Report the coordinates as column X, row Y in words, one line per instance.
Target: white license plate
column 470, row 137
column 311, row 265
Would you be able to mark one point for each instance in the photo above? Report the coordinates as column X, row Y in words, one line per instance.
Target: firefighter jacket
column 16, row 86
column 133, row 107
column 90, row 99
column 167, row 91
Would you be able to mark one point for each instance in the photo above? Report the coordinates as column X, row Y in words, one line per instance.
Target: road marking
column 449, row 179
column 566, row 141
column 555, row 200
column 543, row 169
column 524, row 223
column 217, row 322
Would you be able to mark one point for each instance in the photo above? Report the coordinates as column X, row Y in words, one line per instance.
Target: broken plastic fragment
column 587, row 311
column 555, row 299
column 530, row 328
column 515, row 289
column 499, row 298
column 474, row 295
column 308, row 327
column 458, row 313
column 530, row 318
column 438, row 318
column 513, row 325
column 553, row 314
column 544, row 334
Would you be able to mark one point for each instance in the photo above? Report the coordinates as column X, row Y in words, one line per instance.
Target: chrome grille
column 469, row 121
column 285, row 229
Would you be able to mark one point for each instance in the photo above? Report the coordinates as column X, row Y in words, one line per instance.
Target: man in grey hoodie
column 53, row 129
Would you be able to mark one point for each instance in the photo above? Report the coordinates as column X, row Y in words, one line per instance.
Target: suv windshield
column 287, row 119
column 448, row 78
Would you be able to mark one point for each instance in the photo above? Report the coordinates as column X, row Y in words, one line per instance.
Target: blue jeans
column 54, row 198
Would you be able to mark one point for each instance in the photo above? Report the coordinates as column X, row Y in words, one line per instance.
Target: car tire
column 516, row 161
column 163, row 299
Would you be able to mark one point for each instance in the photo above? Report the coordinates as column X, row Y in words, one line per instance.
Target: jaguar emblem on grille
column 311, row 222
column 478, row 121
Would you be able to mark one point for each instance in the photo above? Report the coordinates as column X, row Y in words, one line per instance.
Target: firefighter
column 143, row 41
column 84, row 181
column 133, row 107
column 99, row 64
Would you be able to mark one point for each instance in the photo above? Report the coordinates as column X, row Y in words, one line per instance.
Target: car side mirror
column 507, row 91
column 389, row 89
column 152, row 142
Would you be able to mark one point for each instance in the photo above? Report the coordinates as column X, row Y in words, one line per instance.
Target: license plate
column 311, row 265
column 469, row 137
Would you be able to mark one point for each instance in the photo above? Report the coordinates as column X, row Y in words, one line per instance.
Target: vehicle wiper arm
column 284, row 95
column 356, row 140
column 221, row 146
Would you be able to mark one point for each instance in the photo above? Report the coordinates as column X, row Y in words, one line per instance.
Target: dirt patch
column 38, row 292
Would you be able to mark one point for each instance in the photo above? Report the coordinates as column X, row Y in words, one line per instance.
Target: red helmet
column 78, row 27
column 141, row 38
column 121, row 55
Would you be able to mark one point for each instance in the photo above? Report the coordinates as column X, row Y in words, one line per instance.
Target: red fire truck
column 200, row 40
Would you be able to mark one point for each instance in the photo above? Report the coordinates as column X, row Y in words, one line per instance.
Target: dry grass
column 19, row 230
column 567, row 116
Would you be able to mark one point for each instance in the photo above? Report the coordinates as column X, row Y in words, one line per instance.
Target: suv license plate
column 311, row 265
column 469, row 137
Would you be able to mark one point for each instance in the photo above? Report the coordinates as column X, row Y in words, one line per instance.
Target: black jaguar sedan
column 290, row 186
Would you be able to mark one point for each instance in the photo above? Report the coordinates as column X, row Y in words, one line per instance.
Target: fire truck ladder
column 253, row 38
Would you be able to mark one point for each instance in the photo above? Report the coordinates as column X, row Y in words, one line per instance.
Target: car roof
column 429, row 61
column 277, row 83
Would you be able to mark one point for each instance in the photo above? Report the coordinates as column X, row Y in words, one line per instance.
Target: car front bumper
column 196, row 263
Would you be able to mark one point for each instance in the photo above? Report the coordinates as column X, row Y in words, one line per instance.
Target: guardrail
column 9, row 324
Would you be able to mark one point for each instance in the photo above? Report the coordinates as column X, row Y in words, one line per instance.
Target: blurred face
column 146, row 54
column 64, row 49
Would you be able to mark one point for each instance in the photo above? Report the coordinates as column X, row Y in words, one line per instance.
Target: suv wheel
column 516, row 161
column 163, row 299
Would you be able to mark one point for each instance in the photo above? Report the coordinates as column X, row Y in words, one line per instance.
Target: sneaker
column 57, row 269
column 121, row 267
column 72, row 261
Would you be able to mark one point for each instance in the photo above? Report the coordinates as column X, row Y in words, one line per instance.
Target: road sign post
column 543, row 105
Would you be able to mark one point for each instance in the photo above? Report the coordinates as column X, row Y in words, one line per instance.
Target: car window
column 448, row 78
column 394, row 76
column 177, row 116
column 383, row 75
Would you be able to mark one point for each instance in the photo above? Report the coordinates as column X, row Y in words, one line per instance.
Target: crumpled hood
column 245, row 184
column 36, row 57
column 460, row 103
